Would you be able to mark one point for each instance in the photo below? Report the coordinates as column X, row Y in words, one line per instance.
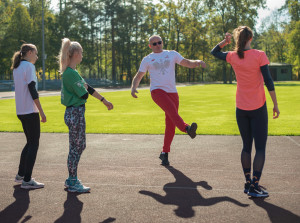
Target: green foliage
column 211, row 106
column 18, row 31
column 294, row 47
column 114, row 34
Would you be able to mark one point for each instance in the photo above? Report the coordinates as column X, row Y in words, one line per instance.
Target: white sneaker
column 32, row 184
column 19, row 179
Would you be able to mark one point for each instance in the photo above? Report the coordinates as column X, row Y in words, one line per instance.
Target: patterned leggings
column 74, row 119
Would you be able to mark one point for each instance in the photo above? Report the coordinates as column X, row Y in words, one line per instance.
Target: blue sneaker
column 77, row 187
column 68, row 182
column 258, row 191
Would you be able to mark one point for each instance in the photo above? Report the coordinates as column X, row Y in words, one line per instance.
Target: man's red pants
column 169, row 103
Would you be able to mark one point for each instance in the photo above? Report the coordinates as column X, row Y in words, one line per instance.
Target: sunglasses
column 155, row 43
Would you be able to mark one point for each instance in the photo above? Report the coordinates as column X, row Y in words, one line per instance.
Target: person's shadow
column 108, row 220
column 183, row 193
column 16, row 210
column 276, row 214
column 73, row 207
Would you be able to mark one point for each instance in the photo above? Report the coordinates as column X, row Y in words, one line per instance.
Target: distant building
column 281, row 71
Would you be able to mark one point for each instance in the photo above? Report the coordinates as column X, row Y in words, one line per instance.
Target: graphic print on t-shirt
column 162, row 65
column 80, row 83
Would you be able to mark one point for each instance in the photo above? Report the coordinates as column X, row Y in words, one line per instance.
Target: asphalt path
column 203, row 184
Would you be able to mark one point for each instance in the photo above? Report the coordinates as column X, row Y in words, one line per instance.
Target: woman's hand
column 276, row 112
column 228, row 38
column 108, row 104
column 225, row 41
column 43, row 116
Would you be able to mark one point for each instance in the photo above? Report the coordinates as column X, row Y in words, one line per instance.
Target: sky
column 262, row 13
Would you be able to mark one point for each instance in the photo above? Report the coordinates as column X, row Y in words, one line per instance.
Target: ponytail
column 16, row 60
column 242, row 35
column 19, row 55
column 66, row 52
column 64, row 58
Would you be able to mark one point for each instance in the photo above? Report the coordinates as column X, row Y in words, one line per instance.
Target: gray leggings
column 75, row 120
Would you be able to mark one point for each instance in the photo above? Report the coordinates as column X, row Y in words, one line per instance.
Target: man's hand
column 133, row 92
column 200, row 63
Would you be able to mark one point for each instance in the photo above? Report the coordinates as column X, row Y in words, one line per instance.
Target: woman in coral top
column 252, row 71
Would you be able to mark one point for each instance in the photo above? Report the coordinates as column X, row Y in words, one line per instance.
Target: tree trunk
column 113, row 70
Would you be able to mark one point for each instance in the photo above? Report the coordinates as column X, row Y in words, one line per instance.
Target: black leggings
column 253, row 125
column 31, row 127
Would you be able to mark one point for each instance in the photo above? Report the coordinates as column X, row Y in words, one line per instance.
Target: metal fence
column 8, row 85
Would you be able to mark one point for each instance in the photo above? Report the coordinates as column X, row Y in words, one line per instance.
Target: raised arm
column 135, row 83
column 216, row 51
column 192, row 63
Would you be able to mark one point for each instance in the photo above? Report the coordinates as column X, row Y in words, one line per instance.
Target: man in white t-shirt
column 161, row 66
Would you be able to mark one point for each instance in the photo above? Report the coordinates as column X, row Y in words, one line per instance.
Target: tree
column 229, row 14
column 19, row 30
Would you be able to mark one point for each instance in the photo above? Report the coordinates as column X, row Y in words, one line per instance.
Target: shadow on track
column 276, row 214
column 73, row 207
column 184, row 194
column 16, row 210
column 108, row 220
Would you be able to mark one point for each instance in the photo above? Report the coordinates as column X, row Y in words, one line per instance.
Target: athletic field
column 204, row 183
column 212, row 106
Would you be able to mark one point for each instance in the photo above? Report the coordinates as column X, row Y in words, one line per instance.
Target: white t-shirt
column 161, row 67
column 23, row 75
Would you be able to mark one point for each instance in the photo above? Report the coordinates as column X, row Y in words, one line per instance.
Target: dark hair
column 17, row 57
column 242, row 35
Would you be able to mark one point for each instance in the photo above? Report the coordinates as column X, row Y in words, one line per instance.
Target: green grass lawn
column 212, row 106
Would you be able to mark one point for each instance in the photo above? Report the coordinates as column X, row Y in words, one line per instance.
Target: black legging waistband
column 72, row 106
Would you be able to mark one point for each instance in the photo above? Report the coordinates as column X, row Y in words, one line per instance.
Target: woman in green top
column 74, row 93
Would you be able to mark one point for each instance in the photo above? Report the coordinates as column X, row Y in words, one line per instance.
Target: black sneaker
column 247, row 186
column 191, row 130
column 164, row 159
column 257, row 192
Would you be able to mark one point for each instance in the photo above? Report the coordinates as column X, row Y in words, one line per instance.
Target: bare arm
column 39, row 106
column 192, row 63
column 108, row 104
column 135, row 83
column 95, row 94
column 275, row 108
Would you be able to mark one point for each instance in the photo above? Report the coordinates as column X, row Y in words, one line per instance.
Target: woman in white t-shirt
column 28, row 109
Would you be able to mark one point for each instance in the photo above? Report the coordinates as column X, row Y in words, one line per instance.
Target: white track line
column 294, row 141
column 102, row 168
column 156, row 186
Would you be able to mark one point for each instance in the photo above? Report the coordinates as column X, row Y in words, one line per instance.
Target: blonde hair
column 67, row 50
column 241, row 35
column 19, row 55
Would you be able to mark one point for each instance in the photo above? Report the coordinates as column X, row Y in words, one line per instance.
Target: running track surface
column 203, row 184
